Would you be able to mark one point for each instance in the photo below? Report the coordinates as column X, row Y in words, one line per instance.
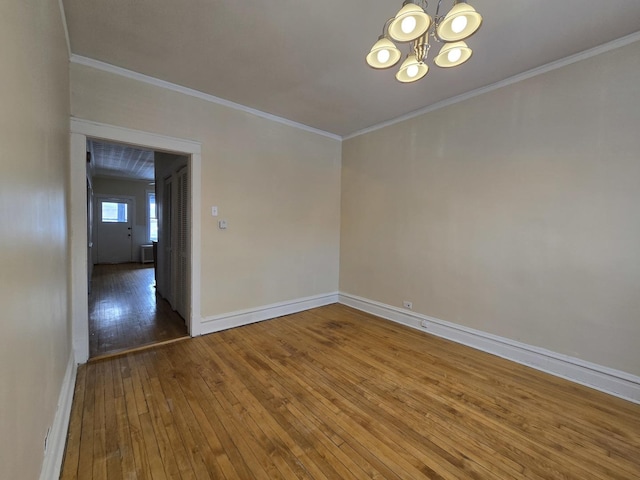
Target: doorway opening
column 79, row 206
column 138, row 247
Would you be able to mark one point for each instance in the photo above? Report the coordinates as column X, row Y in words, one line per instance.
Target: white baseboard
column 52, row 462
column 608, row 380
column 225, row 321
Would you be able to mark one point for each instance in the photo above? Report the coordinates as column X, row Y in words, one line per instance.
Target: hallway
column 124, row 312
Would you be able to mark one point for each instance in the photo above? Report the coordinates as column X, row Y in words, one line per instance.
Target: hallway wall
column 34, row 138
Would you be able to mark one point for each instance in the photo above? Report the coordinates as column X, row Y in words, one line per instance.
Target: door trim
column 80, row 130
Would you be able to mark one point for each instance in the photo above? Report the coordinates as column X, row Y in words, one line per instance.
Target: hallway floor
column 125, row 313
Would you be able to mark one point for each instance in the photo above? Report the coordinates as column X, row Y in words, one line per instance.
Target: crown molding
column 123, row 72
column 592, row 52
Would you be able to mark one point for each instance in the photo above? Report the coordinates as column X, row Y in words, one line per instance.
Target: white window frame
column 148, row 194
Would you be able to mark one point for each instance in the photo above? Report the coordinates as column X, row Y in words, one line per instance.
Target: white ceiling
column 123, row 161
column 305, row 60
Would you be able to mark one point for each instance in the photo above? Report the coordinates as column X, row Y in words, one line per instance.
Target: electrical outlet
column 407, row 304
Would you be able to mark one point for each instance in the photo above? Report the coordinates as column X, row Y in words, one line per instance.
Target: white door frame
column 80, row 130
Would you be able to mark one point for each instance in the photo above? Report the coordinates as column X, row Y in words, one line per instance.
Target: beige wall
column 516, row 212
column 34, row 152
column 278, row 187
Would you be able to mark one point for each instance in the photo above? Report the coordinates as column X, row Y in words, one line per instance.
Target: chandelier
column 412, row 24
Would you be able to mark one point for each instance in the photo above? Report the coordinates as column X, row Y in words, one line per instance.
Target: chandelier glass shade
column 383, row 54
column 412, row 24
column 409, row 23
column 453, row 54
column 412, row 69
column 461, row 22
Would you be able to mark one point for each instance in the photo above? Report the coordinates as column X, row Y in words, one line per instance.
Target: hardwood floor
column 124, row 311
column 334, row 393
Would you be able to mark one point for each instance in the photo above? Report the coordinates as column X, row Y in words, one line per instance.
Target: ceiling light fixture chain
column 412, row 24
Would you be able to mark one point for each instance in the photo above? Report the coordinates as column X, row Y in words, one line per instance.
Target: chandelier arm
column 434, row 33
column 421, row 3
column 385, row 29
column 438, row 9
column 436, row 22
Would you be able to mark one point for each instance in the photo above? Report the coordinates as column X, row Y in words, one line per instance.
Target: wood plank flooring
column 333, row 393
column 124, row 311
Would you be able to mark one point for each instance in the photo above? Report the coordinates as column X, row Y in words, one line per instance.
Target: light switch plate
column 214, row 211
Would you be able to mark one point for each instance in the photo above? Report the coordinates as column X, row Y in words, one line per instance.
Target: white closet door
column 166, row 286
column 182, row 243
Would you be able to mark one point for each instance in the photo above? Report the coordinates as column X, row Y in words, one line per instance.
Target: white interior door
column 114, row 234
